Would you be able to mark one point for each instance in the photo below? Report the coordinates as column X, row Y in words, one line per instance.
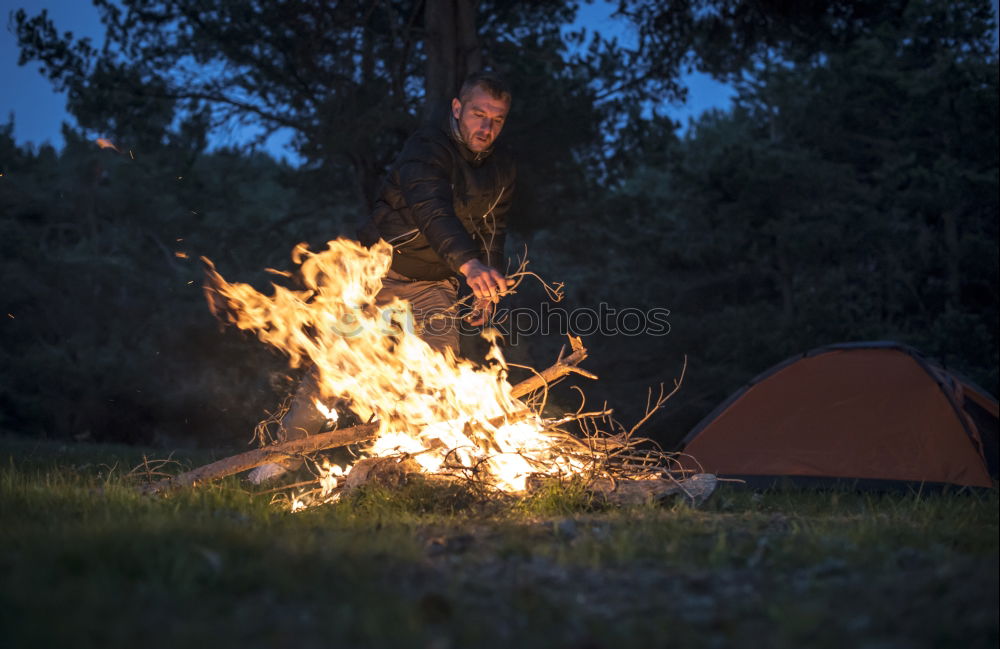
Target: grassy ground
column 85, row 561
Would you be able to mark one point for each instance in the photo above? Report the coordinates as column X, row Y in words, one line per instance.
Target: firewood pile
column 620, row 467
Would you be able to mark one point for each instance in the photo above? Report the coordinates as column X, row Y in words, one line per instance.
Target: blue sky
column 38, row 110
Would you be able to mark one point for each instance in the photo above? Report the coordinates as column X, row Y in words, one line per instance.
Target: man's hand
column 486, row 283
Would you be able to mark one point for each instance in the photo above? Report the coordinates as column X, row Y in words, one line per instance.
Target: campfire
column 427, row 412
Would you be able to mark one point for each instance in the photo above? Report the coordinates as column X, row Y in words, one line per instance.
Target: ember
column 106, row 144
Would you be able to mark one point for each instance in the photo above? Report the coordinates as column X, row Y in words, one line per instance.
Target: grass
column 86, row 561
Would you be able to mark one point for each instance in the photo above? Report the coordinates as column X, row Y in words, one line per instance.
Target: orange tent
column 864, row 411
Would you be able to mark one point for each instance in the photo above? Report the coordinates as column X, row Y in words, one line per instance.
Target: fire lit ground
column 446, row 416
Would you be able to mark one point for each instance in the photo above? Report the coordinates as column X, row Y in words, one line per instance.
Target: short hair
column 491, row 82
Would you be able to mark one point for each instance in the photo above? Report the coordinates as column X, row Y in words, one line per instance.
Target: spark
column 107, row 144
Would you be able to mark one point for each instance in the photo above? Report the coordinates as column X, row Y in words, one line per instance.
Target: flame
column 330, row 414
column 444, row 411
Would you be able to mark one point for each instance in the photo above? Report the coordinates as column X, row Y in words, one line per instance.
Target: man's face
column 480, row 118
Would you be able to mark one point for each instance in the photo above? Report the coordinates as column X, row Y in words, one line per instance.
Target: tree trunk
column 952, row 257
column 452, row 52
column 470, row 55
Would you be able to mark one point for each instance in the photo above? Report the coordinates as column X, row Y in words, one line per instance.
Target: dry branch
column 237, row 463
column 562, row 367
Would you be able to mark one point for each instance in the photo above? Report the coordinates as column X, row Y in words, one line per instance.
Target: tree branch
column 250, row 459
column 562, row 367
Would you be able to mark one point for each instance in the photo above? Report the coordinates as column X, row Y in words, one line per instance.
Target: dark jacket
column 441, row 205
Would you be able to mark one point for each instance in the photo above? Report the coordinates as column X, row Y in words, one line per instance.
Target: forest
column 849, row 193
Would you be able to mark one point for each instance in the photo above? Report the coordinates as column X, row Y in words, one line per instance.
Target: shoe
column 271, row 471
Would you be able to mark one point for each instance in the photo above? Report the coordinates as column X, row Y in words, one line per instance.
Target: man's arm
column 495, row 236
column 496, row 224
column 426, row 187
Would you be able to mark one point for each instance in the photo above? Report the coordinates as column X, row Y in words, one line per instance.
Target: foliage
column 852, row 197
column 850, row 193
column 344, row 77
column 726, row 37
column 106, row 334
column 560, row 498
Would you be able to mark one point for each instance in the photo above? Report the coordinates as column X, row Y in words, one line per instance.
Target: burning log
column 371, row 352
column 250, row 459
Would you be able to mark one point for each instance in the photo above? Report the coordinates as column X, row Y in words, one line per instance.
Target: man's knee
column 433, row 307
column 439, row 330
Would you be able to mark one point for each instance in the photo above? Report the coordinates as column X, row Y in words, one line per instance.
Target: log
column 562, row 367
column 244, row 461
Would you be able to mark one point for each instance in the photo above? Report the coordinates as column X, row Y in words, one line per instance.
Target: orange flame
column 429, row 404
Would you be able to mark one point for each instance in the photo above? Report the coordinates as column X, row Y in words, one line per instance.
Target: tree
column 339, row 75
column 351, row 79
column 727, row 38
column 851, row 196
column 453, row 51
column 110, row 325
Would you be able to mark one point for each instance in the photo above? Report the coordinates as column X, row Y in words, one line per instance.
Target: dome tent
column 868, row 412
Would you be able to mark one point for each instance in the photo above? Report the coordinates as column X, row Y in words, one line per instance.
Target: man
column 443, row 207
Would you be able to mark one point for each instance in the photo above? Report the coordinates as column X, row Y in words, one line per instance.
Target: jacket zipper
column 392, row 241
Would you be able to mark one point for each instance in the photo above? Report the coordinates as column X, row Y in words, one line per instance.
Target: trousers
column 430, row 301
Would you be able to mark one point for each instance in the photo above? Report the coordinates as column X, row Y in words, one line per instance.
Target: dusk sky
column 39, row 111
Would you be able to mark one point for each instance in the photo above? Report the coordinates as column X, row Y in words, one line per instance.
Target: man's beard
column 469, row 137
